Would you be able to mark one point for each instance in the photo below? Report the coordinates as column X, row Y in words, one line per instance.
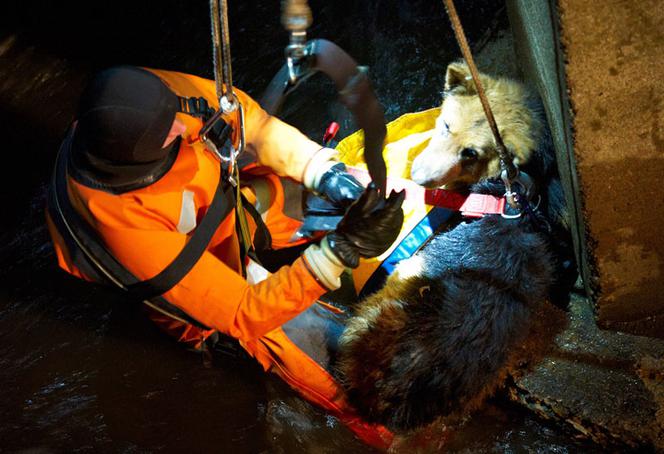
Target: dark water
column 80, row 371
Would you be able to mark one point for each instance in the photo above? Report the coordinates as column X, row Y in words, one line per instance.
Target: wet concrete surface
column 82, row 372
column 605, row 385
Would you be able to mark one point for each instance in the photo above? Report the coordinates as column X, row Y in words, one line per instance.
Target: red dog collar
column 470, row 205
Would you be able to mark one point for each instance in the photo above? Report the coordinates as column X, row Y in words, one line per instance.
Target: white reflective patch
column 256, row 273
column 187, row 221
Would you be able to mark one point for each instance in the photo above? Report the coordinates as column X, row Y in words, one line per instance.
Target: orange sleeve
column 215, row 294
column 277, row 145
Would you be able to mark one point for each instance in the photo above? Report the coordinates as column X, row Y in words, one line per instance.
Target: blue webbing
column 406, row 248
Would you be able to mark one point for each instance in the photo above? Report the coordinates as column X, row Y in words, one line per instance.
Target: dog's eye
column 446, row 128
column 468, row 154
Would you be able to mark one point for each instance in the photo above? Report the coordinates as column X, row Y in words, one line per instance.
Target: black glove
column 369, row 227
column 337, row 190
column 339, row 187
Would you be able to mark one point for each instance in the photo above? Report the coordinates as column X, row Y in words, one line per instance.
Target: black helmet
column 124, row 116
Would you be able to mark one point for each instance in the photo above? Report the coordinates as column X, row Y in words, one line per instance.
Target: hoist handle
column 355, row 91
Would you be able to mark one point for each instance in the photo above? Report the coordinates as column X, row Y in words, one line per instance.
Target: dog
column 456, row 318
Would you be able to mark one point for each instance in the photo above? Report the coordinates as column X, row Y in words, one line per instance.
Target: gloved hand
column 329, row 179
column 369, row 227
column 339, row 187
column 323, row 212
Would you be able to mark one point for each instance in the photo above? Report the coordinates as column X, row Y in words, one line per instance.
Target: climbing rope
column 223, row 78
column 509, row 171
column 221, row 55
column 228, row 103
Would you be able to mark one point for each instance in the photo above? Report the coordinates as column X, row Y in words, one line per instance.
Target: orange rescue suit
column 147, row 227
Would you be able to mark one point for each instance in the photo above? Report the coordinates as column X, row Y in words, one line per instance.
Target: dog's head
column 462, row 150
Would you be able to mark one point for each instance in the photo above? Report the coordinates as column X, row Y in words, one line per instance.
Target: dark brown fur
column 455, row 319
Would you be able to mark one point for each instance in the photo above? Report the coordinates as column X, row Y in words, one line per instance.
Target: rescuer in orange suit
column 139, row 175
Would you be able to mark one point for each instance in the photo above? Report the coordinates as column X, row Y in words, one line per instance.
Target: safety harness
column 87, row 249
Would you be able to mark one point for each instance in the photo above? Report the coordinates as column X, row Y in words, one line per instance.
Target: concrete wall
column 614, row 73
column 597, row 67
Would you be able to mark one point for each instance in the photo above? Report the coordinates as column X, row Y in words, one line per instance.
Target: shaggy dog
column 453, row 320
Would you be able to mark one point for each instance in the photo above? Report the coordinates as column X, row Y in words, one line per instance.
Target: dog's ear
column 459, row 80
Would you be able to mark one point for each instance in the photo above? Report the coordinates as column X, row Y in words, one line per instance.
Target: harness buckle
column 512, row 197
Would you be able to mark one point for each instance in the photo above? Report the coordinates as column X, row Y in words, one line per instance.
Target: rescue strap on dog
column 98, row 262
column 469, row 205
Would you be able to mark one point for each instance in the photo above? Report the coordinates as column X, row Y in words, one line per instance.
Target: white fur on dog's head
column 462, row 149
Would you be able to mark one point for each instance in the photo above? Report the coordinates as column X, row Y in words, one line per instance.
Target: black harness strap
column 262, row 237
column 79, row 234
column 222, row 204
column 196, row 107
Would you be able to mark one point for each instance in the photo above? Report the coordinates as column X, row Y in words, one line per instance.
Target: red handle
column 330, row 133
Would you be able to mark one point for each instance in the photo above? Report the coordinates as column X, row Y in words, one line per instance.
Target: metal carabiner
column 297, row 57
column 230, row 160
column 522, row 179
column 228, row 105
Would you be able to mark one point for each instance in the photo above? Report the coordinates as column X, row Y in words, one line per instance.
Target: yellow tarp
column 406, row 137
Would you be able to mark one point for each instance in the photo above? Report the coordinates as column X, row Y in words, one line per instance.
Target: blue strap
column 406, row 248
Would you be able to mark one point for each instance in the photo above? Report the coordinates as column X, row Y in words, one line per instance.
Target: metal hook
column 523, row 180
column 298, row 60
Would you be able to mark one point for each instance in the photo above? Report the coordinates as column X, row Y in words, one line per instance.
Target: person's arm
column 290, row 153
column 277, row 145
column 213, row 293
